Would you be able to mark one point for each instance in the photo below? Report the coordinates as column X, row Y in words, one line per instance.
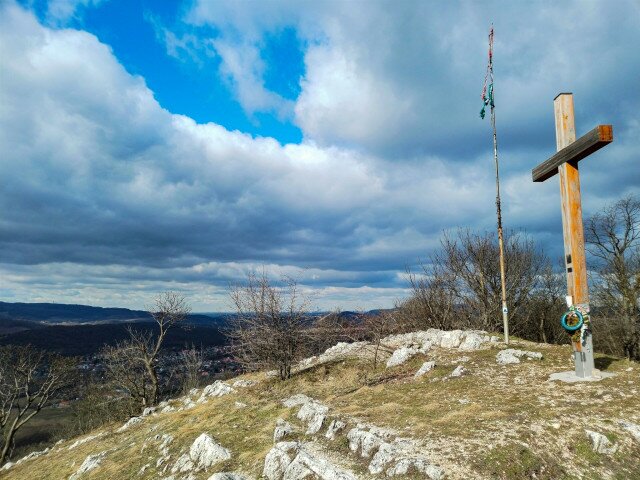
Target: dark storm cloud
column 107, row 196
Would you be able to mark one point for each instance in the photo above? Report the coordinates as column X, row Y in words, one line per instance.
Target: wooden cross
column 565, row 162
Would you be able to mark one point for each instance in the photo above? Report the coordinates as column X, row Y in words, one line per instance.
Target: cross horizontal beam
column 581, row 148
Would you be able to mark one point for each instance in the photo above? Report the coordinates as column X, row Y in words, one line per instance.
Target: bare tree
column 613, row 239
column 29, row 380
column 472, row 262
column 545, row 308
column 432, row 302
column 377, row 326
column 191, row 361
column 134, row 363
column 269, row 329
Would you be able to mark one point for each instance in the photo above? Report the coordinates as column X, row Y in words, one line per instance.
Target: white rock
column 472, row 341
column 183, row 464
column 283, row 428
column 310, row 465
column 458, row 372
column 364, row 442
column 168, row 408
column 386, row 453
column 228, row 476
column 425, row 368
column 295, row 400
column 216, row 389
column 32, row 455
column 451, row 339
column 511, row 355
column 401, row 355
column 132, row 421
column 206, row 452
column 244, row 383
column 313, row 414
column 405, row 466
column 90, row 463
column 631, row 427
column 240, row 405
column 85, row 440
column 7, row 466
column 335, row 427
column 148, row 411
column 600, row 443
column 278, row 459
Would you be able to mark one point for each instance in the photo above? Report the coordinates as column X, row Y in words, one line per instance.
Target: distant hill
column 68, row 314
column 87, row 339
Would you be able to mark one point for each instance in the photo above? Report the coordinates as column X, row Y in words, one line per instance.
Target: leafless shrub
column 613, row 240
column 133, row 364
column 270, row 326
column 191, row 361
column 29, row 380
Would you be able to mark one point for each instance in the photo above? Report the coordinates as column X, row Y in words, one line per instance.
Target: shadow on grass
column 603, row 363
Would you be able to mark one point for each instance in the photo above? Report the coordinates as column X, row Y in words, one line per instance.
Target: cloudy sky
column 152, row 145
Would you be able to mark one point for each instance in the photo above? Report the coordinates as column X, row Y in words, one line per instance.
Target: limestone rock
column 244, row 383
column 293, row 461
column 386, row 453
column 472, row 341
column 458, row 371
column 406, row 466
column 451, row 339
column 512, row 355
column 148, row 411
column 424, row 369
column 631, row 427
column 283, row 428
column 278, row 459
column 308, row 465
column 183, row 464
column 335, row 427
column 206, row 452
column 600, row 443
column 313, row 414
column 132, row 421
column 7, row 466
column 364, row 441
column 90, row 463
column 216, row 389
column 228, row 476
column 85, row 440
column 401, row 355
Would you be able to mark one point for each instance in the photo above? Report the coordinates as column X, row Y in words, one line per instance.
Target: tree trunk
column 8, row 440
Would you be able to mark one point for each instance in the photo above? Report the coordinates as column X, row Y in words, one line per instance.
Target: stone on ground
column 313, row 414
column 512, row 355
column 600, row 443
column 424, row 369
column 90, row 463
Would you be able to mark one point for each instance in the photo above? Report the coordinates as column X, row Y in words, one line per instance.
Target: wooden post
column 573, row 231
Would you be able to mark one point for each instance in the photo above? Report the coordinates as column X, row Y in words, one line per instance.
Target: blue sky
column 154, row 145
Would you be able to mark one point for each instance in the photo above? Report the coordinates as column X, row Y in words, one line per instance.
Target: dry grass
column 495, row 422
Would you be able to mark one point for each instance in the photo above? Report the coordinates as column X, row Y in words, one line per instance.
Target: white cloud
column 61, row 11
column 106, row 195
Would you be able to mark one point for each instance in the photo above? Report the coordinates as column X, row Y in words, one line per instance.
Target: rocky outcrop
column 216, row 389
column 511, row 355
column 90, row 463
column 335, row 427
column 294, row 461
column 295, row 400
column 204, row 453
column 313, row 413
column 132, row 421
column 85, row 440
column 600, row 443
column 228, row 476
column 283, row 429
column 424, row 369
column 632, row 428
column 401, row 355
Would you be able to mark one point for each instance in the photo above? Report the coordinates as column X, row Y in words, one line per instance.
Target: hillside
column 476, row 412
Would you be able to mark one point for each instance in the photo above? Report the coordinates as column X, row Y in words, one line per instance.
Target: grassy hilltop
column 492, row 421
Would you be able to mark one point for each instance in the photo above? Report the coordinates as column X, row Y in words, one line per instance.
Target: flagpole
column 488, row 99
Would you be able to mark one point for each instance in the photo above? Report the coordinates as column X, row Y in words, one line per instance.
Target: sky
column 147, row 146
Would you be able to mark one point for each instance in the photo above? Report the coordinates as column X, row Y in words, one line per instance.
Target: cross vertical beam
column 573, row 230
